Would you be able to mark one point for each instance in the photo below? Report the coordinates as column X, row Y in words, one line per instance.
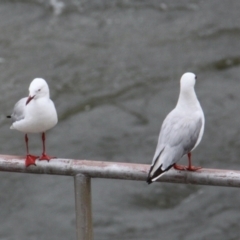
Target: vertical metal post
column 82, row 185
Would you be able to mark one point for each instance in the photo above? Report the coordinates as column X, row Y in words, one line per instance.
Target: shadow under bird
column 181, row 131
column 35, row 114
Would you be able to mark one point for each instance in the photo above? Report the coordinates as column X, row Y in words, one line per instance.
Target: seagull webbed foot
column 45, row 157
column 30, row 160
column 179, row 167
column 192, row 168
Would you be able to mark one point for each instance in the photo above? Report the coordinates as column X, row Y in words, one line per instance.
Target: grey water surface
column 113, row 68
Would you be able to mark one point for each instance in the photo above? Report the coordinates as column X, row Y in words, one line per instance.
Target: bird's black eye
column 39, row 89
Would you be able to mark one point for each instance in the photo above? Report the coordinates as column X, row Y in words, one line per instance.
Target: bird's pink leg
column 44, row 155
column 30, row 159
column 190, row 167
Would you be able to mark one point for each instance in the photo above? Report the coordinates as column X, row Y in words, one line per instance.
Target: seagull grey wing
column 181, row 131
column 19, row 110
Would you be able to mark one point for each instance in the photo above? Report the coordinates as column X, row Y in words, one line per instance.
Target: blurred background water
column 113, row 68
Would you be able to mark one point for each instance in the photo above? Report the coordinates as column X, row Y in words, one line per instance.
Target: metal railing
column 84, row 170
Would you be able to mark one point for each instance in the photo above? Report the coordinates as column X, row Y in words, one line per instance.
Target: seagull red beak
column 29, row 99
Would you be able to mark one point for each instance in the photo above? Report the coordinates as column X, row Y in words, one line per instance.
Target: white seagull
column 181, row 131
column 35, row 114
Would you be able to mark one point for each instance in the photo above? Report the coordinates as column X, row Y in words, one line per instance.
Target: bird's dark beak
column 29, row 99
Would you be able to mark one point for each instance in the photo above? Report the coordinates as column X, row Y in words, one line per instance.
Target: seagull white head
column 37, row 89
column 188, row 80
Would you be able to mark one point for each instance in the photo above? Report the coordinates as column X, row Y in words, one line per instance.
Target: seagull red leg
column 190, row 167
column 30, row 159
column 44, row 155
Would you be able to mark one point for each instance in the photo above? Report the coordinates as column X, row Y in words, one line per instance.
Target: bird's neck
column 188, row 99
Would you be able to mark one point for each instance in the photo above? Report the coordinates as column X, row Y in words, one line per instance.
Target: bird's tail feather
column 157, row 174
column 149, row 178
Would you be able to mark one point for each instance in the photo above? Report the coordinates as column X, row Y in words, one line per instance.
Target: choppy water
column 113, row 68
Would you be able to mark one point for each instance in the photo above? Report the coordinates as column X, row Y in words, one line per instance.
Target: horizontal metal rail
column 84, row 170
column 119, row 170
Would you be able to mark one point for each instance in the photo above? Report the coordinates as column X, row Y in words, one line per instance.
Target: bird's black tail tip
column 149, row 180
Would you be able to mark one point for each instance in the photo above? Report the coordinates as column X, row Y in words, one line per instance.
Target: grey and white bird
column 181, row 131
column 35, row 114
